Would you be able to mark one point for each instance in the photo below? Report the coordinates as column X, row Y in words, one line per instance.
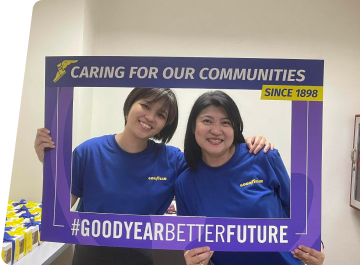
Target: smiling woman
column 128, row 172
column 151, row 114
column 215, row 135
column 106, row 169
column 225, row 180
column 212, row 129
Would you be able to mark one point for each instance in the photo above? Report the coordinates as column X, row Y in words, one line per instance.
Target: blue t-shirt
column 111, row 180
column 246, row 186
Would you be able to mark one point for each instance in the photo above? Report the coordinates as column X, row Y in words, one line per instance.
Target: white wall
column 56, row 30
column 328, row 30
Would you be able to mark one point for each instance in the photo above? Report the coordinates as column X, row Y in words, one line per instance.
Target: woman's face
column 146, row 119
column 213, row 131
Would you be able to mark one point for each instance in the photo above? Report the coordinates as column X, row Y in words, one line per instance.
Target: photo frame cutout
column 59, row 224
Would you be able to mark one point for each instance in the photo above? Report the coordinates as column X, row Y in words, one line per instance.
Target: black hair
column 216, row 98
column 156, row 94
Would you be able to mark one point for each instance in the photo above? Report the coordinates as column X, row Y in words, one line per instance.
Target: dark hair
column 156, row 94
column 217, row 98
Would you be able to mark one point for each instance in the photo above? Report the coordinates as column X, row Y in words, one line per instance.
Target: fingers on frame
column 197, row 251
column 201, row 257
column 300, row 258
column 46, row 145
column 42, row 139
column 311, row 251
column 305, row 257
column 43, row 130
column 38, row 134
column 46, row 139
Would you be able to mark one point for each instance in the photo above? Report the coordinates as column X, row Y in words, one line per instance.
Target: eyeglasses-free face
column 214, row 133
column 146, row 119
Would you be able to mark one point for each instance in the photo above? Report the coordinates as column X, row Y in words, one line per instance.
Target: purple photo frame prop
column 59, row 224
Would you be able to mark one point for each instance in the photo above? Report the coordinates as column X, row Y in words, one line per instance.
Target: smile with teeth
column 215, row 141
column 145, row 126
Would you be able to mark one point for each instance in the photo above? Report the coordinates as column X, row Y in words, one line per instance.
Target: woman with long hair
column 225, row 180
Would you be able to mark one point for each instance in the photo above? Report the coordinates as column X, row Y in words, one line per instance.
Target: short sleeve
column 77, row 175
column 181, row 164
column 181, row 209
column 282, row 181
column 184, row 191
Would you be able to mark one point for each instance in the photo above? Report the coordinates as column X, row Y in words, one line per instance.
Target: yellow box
column 19, row 250
column 26, row 233
column 6, row 252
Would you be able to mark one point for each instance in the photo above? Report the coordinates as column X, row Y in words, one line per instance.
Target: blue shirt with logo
column 247, row 186
column 111, row 180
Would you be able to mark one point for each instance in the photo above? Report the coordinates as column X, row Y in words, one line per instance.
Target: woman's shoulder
column 269, row 155
column 95, row 142
column 185, row 177
column 163, row 146
column 168, row 149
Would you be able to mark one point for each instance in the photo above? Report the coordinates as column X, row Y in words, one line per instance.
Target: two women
column 113, row 173
column 216, row 184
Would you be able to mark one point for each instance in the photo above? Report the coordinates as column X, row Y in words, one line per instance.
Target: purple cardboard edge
column 58, row 221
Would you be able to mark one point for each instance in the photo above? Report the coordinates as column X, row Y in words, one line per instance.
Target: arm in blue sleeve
column 77, row 175
column 181, row 164
column 181, row 208
column 282, row 183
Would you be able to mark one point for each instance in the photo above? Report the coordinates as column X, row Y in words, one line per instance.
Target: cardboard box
column 19, row 246
column 6, row 252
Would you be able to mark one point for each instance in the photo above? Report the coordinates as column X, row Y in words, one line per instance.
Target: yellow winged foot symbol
column 61, row 69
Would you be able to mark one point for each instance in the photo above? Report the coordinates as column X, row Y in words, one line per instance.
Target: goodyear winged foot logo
column 61, row 69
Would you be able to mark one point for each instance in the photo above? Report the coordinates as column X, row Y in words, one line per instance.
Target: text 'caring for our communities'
column 205, row 73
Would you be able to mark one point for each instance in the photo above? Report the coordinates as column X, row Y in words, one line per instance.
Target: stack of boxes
column 22, row 230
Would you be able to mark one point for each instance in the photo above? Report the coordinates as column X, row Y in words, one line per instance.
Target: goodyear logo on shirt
column 157, row 178
column 251, row 182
